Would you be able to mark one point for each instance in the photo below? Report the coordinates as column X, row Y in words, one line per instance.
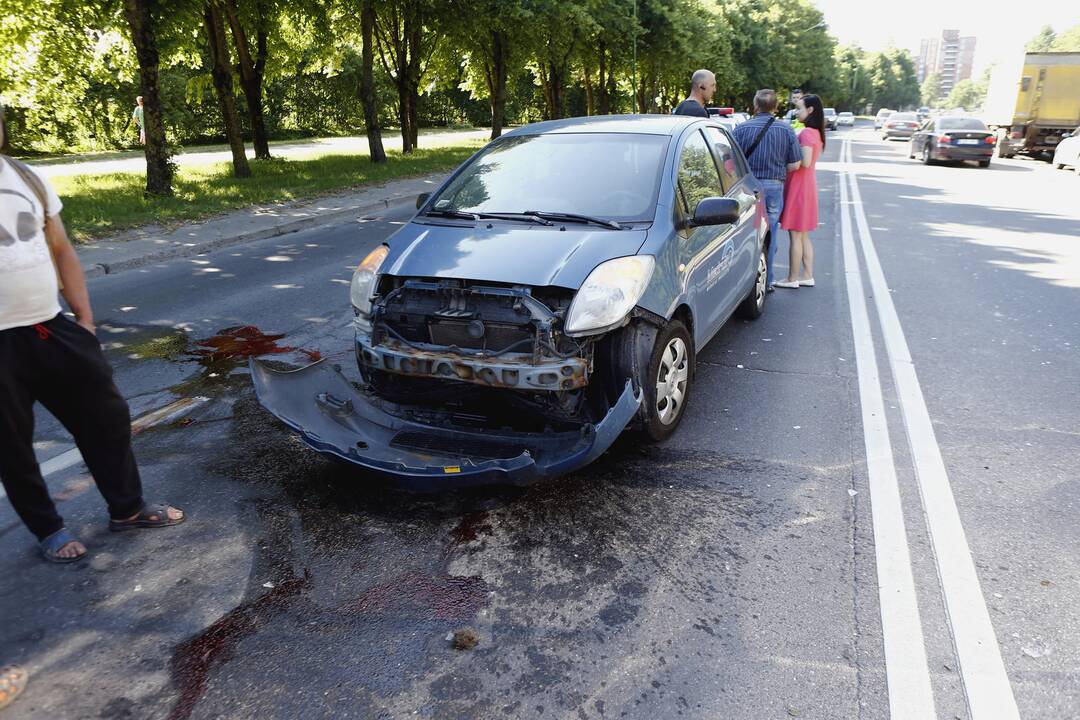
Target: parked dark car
column 900, row 125
column 831, row 118
column 953, row 138
column 552, row 292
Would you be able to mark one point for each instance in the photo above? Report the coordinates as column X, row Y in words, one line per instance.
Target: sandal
column 151, row 516
column 12, row 682
column 51, row 545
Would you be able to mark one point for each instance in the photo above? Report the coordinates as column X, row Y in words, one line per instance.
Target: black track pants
column 60, row 364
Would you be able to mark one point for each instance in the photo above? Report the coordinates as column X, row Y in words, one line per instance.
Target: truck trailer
column 1034, row 105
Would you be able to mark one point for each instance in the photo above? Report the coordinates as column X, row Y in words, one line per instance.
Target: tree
column 252, row 70
column 158, row 166
column 967, row 94
column 1068, row 41
column 490, row 32
column 367, row 83
column 221, row 71
column 1043, row 41
column 930, row 92
column 405, row 47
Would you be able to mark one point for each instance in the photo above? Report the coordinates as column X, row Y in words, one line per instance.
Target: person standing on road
column 140, row 120
column 47, row 358
column 772, row 151
column 800, row 214
column 702, row 89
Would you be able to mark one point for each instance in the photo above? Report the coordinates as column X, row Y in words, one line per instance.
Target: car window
column 961, row 124
column 610, row 175
column 697, row 173
column 903, row 117
column 725, row 158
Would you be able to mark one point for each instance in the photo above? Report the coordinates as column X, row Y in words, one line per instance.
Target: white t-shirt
column 28, row 287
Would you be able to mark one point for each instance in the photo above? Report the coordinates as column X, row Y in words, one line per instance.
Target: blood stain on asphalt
column 447, row 597
column 193, row 659
column 470, row 528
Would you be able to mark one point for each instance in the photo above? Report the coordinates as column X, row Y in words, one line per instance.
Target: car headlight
column 363, row 283
column 610, row 292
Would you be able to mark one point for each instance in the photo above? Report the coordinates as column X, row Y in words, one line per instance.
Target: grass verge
column 97, row 205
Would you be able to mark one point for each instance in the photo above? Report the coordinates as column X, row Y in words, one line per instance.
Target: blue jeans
column 774, row 205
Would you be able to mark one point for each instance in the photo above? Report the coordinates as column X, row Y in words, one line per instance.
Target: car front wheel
column 668, row 382
column 926, row 154
column 754, row 305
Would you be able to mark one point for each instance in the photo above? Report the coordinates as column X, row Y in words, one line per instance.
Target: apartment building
column 951, row 56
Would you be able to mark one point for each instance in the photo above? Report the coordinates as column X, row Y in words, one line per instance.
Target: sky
column 870, row 23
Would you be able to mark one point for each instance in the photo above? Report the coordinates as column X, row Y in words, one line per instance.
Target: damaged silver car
column 552, row 293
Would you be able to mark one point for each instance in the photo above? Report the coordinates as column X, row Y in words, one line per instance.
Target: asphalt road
column 746, row 569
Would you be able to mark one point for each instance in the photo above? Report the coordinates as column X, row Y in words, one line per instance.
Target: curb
column 332, row 217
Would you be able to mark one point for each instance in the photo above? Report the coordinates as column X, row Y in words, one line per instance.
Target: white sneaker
column 807, row 283
column 786, row 284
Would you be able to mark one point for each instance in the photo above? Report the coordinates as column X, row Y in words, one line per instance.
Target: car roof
column 641, row 124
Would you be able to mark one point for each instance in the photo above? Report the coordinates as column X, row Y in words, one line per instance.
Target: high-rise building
column 950, row 56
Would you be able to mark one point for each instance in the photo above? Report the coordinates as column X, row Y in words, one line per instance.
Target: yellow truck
column 1035, row 105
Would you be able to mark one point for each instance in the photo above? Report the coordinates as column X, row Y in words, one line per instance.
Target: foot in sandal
column 158, row 515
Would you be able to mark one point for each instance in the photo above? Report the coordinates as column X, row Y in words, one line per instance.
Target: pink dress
column 800, row 191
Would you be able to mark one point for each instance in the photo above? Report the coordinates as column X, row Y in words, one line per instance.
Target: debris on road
column 464, row 639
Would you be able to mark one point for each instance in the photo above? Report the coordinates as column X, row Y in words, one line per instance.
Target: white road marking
column 907, row 672
column 165, row 414
column 982, row 670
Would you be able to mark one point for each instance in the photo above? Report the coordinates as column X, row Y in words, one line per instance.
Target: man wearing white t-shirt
column 47, row 358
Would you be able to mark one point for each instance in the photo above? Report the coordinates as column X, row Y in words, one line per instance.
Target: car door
column 922, row 137
column 745, row 236
column 705, row 253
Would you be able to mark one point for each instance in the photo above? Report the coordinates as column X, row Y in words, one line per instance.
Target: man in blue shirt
column 772, row 150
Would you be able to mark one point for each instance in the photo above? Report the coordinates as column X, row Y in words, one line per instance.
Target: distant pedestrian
column 47, row 358
column 140, row 119
column 800, row 215
column 702, row 89
column 772, row 151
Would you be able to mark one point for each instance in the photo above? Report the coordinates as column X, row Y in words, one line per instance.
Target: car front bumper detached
column 335, row 418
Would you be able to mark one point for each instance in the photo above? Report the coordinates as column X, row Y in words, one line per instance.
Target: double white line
column 986, row 684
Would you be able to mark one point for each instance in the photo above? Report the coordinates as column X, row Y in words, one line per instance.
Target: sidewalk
column 150, row 244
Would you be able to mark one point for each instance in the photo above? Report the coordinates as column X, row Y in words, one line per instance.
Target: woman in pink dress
column 800, row 214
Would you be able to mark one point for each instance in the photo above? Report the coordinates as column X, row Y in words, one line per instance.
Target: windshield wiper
column 574, row 217
column 465, row 215
column 453, row 214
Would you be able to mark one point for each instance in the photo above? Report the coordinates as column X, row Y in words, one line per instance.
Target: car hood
column 506, row 252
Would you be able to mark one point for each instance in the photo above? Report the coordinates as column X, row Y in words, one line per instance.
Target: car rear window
column 903, row 117
column 610, row 175
column 960, row 124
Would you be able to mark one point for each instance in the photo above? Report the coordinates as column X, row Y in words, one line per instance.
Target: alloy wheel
column 759, row 285
column 673, row 374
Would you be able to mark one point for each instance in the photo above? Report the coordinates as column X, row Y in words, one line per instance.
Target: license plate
column 968, row 142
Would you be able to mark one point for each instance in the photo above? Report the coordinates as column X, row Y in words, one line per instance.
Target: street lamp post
column 633, row 69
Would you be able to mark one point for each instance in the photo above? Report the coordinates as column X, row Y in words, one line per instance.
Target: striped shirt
column 777, row 149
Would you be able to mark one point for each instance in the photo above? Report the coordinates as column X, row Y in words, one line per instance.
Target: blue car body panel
column 334, row 418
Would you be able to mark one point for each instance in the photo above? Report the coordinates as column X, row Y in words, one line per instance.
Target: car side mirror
column 715, row 211
column 422, row 199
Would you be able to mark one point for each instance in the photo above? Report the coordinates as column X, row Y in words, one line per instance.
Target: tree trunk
column 158, row 167
column 251, row 76
column 367, row 83
column 497, row 82
column 590, row 100
column 601, row 83
column 414, row 40
column 222, row 75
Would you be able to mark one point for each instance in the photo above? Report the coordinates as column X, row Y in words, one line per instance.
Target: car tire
column 926, row 160
column 984, row 163
column 754, row 305
column 672, row 366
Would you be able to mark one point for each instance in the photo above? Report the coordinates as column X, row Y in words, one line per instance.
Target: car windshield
column 902, row 117
column 961, row 124
column 615, row 176
column 846, row 114
column 830, row 111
